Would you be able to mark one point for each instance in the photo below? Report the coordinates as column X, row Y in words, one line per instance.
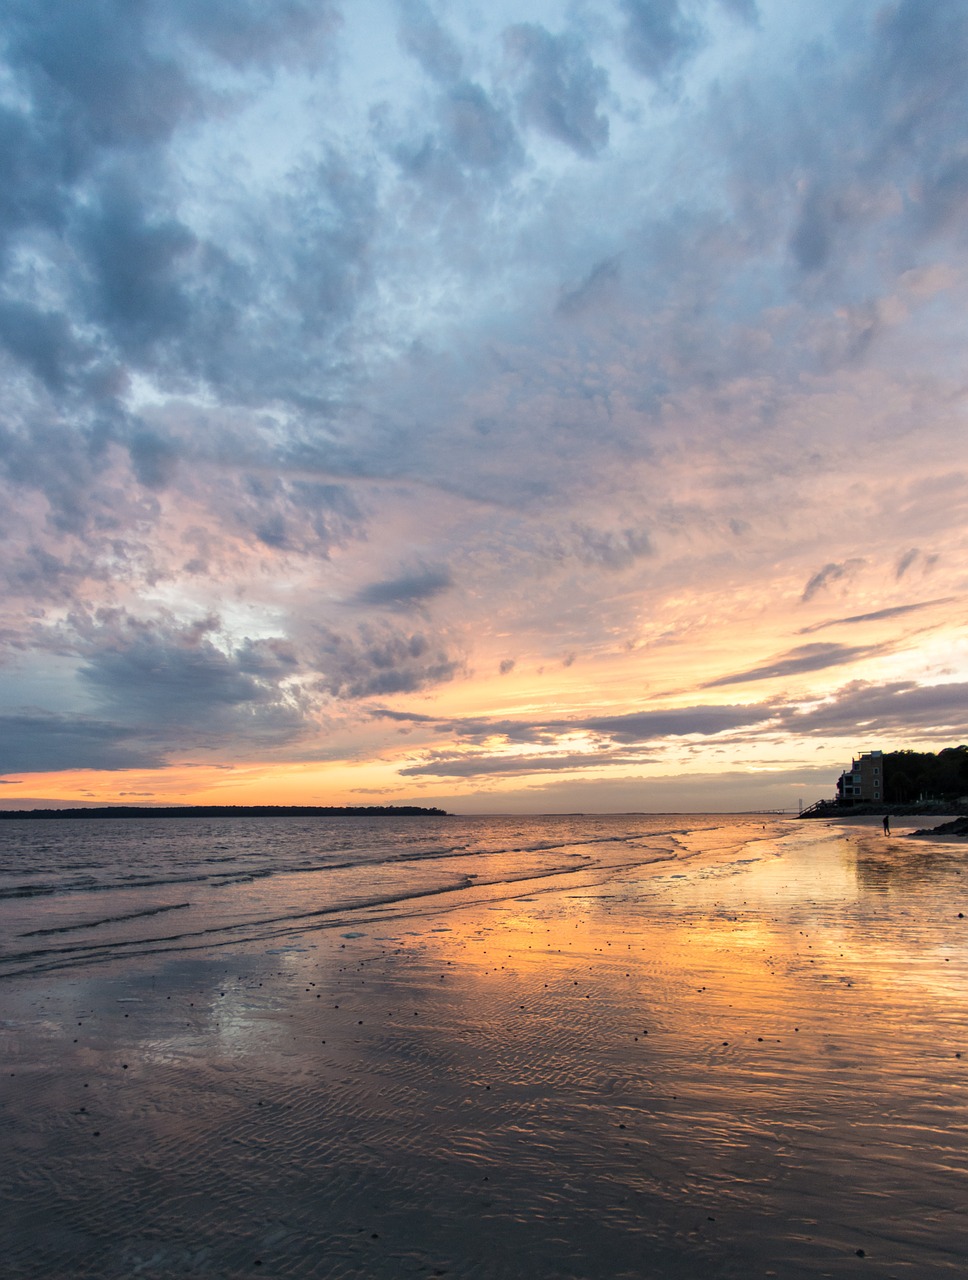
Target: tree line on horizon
column 910, row 776
column 230, row 811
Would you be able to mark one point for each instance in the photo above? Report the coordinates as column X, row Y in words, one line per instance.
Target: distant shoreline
column 229, row 811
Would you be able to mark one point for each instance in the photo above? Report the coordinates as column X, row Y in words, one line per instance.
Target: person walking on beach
column 887, row 825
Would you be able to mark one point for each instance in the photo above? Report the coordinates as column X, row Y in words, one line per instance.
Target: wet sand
column 728, row 1066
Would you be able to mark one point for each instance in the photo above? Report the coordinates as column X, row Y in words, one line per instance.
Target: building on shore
column 863, row 782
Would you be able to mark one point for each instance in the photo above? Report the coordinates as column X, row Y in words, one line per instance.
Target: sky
column 545, row 406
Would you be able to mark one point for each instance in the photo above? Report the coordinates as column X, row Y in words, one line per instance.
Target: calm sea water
column 76, row 892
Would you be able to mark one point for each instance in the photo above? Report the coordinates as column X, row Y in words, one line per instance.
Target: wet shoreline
column 746, row 1060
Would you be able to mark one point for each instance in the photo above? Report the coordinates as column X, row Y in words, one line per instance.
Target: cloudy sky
column 547, row 405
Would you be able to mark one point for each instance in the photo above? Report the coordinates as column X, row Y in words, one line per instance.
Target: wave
column 95, row 924
column 365, row 910
column 270, row 879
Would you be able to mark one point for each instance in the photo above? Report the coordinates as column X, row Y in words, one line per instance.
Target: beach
column 669, row 1047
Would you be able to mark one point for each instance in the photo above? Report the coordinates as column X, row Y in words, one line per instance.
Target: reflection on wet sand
column 744, row 1064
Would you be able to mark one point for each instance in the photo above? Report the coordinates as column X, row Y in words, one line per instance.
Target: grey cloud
column 250, row 31
column 818, row 162
column 644, row 726
column 407, row 592
column 113, row 73
column 44, row 451
column 175, row 684
column 94, row 69
column 480, row 133
column 747, row 10
column 153, row 459
column 440, row 765
column 811, row 238
column 832, row 572
column 469, row 152
column 902, row 708
column 104, row 86
column 659, row 36
column 944, row 196
column 631, row 728
column 34, row 741
column 148, row 670
column 609, row 549
column 139, row 266
column 923, row 50
column 879, row 615
column 302, row 517
column 561, row 88
column 331, row 217
column 597, row 287
column 426, row 40
column 827, row 223
column 45, row 577
column 472, row 729
column 597, row 548
column 267, row 659
column 806, row 657
column 905, row 562
column 33, row 171
column 402, row 717
column 41, row 339
column 915, row 88
column 381, row 661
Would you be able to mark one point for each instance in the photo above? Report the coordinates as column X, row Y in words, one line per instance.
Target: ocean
column 80, row 891
column 617, row 1047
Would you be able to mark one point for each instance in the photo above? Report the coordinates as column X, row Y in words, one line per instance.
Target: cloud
column 900, row 708
column 659, row 36
column 481, row 765
column 427, row 40
column 876, row 710
column 811, row 240
column 611, row 549
column 243, row 32
column 649, row 726
column 597, row 286
column 92, row 66
column 634, row 727
column 832, row 572
column 877, row 615
column 380, row 660
column 154, row 458
column 138, row 263
column 798, row 661
column 407, row 592
column 560, row 89
column 479, row 132
column 171, row 684
column 905, row 562
column 34, row 741
column 913, row 557
column 42, row 340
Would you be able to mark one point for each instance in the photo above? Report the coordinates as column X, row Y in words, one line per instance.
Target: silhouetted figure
column 887, row 825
